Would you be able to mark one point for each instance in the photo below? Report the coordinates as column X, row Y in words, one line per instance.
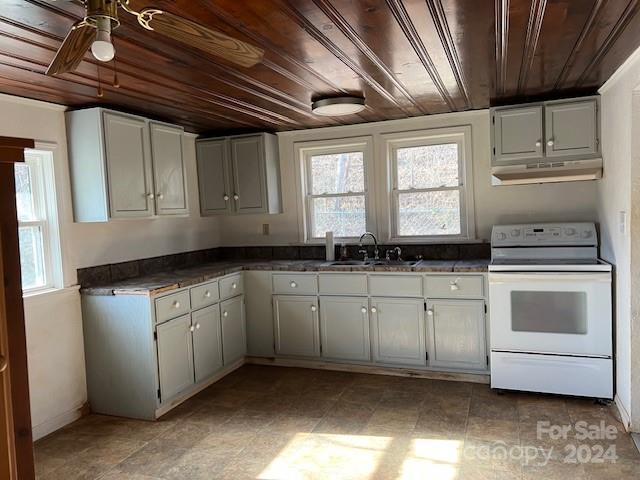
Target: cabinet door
column 207, row 342
column 126, row 143
column 344, row 327
column 571, row 129
column 398, row 331
column 517, row 135
column 247, row 157
column 168, row 169
column 457, row 333
column 214, row 177
column 259, row 313
column 296, row 325
column 175, row 356
column 234, row 332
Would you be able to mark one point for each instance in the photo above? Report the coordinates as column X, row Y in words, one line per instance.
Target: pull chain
column 116, row 82
column 100, row 92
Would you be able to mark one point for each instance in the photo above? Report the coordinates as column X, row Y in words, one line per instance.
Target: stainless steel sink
column 374, row 263
column 346, row 263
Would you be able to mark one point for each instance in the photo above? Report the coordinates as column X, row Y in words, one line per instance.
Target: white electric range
column 551, row 316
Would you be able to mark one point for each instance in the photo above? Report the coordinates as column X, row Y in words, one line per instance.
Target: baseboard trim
column 56, row 423
column 376, row 370
column 171, row 404
column 624, row 415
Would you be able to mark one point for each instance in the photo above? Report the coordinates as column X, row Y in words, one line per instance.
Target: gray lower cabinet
column 175, row 356
column 207, row 342
column 296, row 323
column 457, row 334
column 398, row 330
column 259, row 317
column 344, row 327
column 234, row 332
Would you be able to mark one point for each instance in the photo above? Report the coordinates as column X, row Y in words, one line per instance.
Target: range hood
column 547, row 172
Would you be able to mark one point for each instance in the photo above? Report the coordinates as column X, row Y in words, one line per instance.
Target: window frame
column 45, row 207
column 439, row 136
column 304, row 152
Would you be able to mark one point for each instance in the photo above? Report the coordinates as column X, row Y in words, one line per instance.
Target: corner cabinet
column 239, row 174
column 124, row 166
column 550, row 131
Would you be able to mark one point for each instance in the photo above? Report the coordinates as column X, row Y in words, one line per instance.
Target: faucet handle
column 364, row 252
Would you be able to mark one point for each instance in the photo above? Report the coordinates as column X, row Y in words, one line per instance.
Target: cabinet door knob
column 160, row 196
column 430, row 312
column 454, row 286
column 374, row 309
column 363, row 309
column 192, row 328
column 150, row 195
column 197, row 326
column 235, row 196
column 234, row 285
column 176, row 304
column 550, row 143
column 313, row 308
column 225, row 314
column 538, row 143
column 226, row 197
column 207, row 294
column 293, row 284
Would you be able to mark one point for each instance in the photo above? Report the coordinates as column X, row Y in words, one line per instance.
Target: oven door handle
column 557, row 277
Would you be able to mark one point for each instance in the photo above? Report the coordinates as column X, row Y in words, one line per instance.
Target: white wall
column 619, row 129
column 53, row 321
column 504, row 204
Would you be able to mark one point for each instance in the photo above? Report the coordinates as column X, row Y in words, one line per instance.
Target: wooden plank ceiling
column 406, row 57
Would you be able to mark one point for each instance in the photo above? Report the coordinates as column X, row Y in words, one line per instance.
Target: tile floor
column 294, row 424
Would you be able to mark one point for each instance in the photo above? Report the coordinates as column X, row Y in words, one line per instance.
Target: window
column 335, row 188
column 429, row 186
column 34, row 200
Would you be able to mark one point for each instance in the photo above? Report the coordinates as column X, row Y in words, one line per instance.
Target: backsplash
column 102, row 274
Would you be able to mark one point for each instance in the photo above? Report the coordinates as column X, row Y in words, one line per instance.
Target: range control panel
column 544, row 234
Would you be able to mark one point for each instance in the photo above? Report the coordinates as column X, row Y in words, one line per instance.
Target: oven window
column 549, row 312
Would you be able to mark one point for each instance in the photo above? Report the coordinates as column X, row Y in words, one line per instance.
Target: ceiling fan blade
column 191, row 33
column 73, row 48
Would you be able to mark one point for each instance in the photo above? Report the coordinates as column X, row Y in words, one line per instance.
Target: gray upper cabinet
column 250, row 179
column 207, row 342
column 571, row 128
column 517, row 134
column 457, row 334
column 175, row 356
column 214, row 177
column 543, row 132
column 124, row 166
column 398, row 330
column 168, row 169
column 344, row 326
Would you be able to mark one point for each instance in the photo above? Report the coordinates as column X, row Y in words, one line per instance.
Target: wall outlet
column 265, row 229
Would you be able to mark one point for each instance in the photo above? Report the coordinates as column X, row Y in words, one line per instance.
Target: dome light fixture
column 335, row 106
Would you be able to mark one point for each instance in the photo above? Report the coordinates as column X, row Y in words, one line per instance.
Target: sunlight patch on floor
column 309, row 456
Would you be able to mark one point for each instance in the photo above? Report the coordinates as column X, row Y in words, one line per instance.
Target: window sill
column 46, row 292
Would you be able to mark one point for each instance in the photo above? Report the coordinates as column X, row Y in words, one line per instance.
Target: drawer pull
column 363, row 309
column 313, row 308
column 176, row 304
column 234, row 285
column 225, row 314
column 293, row 284
column 374, row 309
column 207, row 294
column 454, row 286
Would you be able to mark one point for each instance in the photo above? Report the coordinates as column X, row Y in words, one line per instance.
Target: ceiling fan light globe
column 102, row 48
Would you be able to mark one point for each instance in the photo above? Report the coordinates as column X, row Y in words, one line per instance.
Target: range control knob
column 501, row 236
column 570, row 232
column 515, row 232
column 587, row 234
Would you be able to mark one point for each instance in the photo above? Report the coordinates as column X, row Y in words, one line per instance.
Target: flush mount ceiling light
column 338, row 106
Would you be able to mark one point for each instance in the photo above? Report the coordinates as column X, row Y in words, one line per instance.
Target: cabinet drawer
column 172, row 306
column 295, row 284
column 453, row 286
column 342, row 284
column 231, row 286
column 204, row 295
column 395, row 285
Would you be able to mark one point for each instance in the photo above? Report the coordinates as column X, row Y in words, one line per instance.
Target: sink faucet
column 376, row 253
column 397, row 251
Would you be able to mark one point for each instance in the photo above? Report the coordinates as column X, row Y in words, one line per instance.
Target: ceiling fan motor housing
column 102, row 9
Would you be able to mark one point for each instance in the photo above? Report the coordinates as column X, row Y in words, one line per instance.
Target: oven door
column 557, row 313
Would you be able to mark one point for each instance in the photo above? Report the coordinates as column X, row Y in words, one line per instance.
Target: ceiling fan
column 101, row 17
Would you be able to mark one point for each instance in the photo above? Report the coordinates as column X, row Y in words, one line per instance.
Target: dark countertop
column 179, row 278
